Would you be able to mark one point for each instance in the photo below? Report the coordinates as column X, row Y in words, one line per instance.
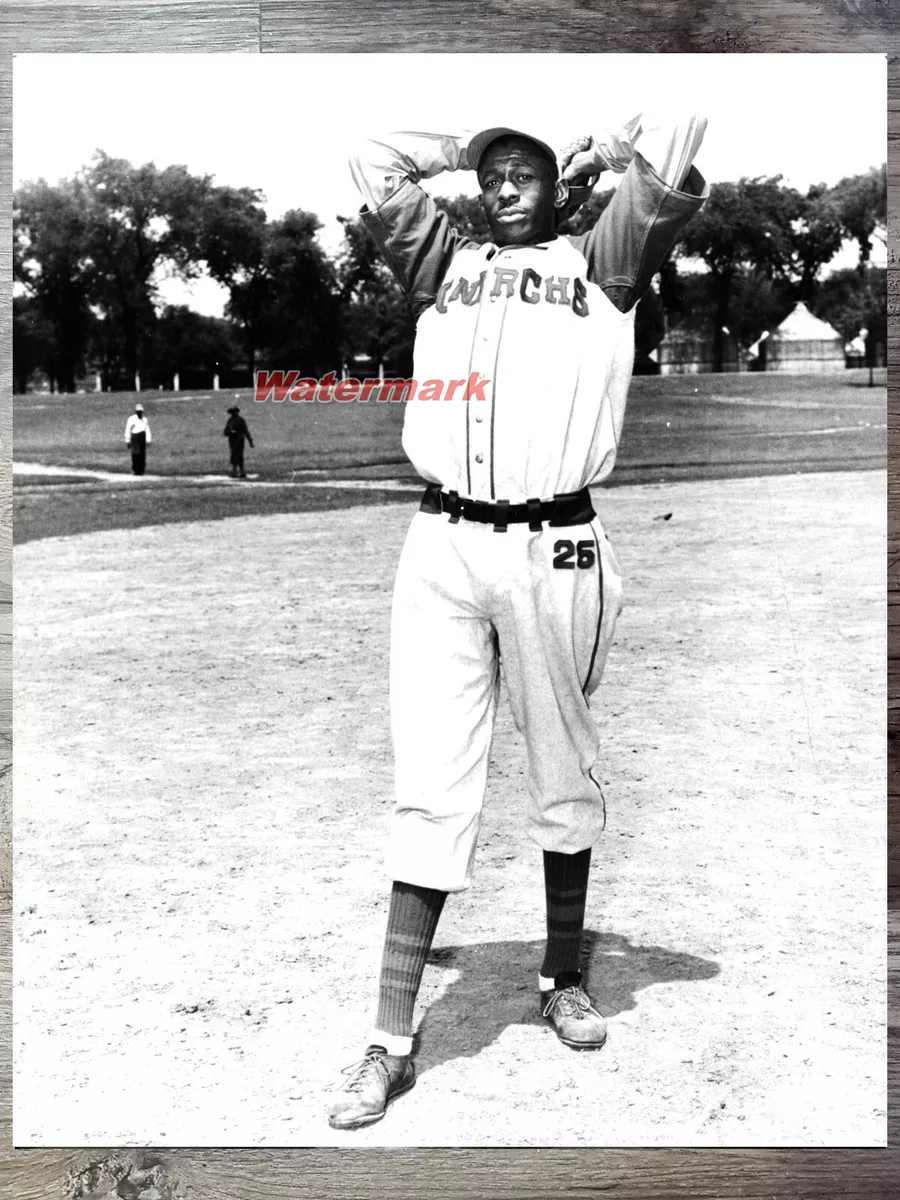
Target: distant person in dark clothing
column 137, row 438
column 237, row 433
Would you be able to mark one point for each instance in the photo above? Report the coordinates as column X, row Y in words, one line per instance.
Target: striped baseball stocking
column 412, row 921
column 565, row 883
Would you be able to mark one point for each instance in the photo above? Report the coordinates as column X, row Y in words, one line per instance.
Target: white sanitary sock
column 394, row 1043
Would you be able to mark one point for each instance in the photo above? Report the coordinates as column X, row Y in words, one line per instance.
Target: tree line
column 89, row 252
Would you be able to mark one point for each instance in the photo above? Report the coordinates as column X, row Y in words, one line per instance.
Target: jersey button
column 479, row 419
column 479, row 458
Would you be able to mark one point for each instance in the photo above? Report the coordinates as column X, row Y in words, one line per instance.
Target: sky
column 286, row 124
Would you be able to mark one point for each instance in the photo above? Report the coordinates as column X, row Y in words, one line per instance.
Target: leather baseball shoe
column 573, row 1018
column 373, row 1082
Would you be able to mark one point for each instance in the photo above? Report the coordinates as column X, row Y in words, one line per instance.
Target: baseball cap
column 481, row 141
column 234, row 408
column 139, row 408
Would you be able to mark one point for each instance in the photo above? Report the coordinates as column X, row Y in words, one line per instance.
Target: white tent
column 804, row 344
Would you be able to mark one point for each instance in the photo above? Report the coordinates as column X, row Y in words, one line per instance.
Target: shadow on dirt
column 497, row 987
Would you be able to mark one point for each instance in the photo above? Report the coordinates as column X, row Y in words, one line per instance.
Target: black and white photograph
column 450, row 606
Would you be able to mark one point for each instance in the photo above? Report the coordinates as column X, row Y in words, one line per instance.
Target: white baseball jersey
column 550, row 328
column 137, row 424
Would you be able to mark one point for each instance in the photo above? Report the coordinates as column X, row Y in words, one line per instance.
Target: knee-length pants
column 466, row 598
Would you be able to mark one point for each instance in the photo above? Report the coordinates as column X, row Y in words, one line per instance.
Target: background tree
column 851, row 302
column 743, row 225
column 34, row 343
column 818, row 233
column 105, row 353
column 301, row 319
column 758, row 303
column 377, row 319
column 190, row 344
column 50, row 225
column 233, row 243
column 861, row 202
column 140, row 220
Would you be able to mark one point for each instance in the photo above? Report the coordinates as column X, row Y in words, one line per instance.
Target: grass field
column 687, row 427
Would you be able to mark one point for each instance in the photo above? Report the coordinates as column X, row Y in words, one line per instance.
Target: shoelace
column 572, row 1000
column 359, row 1072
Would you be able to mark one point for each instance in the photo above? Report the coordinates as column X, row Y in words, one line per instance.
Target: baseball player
column 137, row 439
column 237, row 432
column 506, row 558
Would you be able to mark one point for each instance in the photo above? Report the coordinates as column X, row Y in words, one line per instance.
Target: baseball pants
column 466, row 599
column 138, row 453
column 237, row 456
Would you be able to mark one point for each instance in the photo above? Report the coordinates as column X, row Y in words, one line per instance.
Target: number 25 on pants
column 567, row 555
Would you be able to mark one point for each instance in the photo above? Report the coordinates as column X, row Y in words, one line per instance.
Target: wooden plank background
column 647, row 26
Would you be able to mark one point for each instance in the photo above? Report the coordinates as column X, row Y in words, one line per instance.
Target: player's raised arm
column 667, row 144
column 382, row 165
column 414, row 235
column 660, row 192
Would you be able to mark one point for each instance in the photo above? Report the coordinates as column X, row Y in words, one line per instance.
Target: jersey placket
column 480, row 413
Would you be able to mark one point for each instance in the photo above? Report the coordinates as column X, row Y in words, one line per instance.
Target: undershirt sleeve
column 417, row 241
column 413, row 234
column 637, row 230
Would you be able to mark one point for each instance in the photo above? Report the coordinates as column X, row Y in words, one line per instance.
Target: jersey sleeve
column 417, row 241
column 414, row 235
column 659, row 192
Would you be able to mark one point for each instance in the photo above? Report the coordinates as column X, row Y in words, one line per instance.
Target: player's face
column 518, row 191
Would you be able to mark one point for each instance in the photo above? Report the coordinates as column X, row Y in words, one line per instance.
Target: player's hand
column 579, row 160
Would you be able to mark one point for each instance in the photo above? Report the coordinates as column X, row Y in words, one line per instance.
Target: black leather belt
column 571, row 508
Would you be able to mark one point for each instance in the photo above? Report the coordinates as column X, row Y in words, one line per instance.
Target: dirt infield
column 203, row 781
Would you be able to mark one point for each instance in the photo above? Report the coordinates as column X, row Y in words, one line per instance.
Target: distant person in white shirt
column 137, row 438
